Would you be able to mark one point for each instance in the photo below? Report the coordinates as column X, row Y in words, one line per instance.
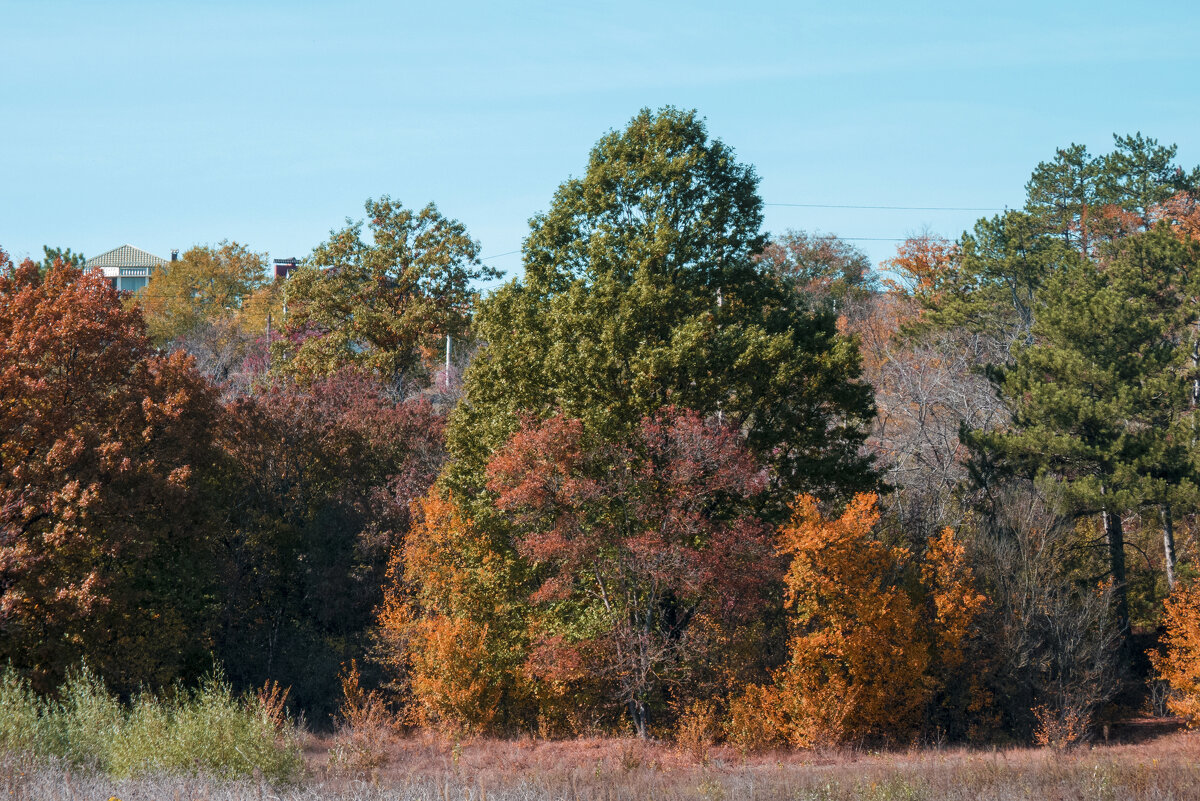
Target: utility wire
column 498, row 255
column 886, row 208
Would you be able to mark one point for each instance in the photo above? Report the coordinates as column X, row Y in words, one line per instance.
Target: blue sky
column 168, row 124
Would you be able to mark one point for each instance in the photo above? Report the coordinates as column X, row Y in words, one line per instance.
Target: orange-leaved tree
column 857, row 654
column 105, row 455
column 1179, row 665
column 873, row 637
column 447, row 638
column 953, row 604
column 924, row 264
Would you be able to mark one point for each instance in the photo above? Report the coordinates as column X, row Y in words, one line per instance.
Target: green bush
column 21, row 725
column 205, row 730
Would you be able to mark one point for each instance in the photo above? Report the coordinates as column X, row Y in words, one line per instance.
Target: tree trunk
column 1115, row 536
column 1168, row 531
column 637, row 711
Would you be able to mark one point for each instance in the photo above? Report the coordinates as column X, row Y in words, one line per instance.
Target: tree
column 107, row 477
column 64, row 255
column 1140, row 174
column 858, row 654
column 641, row 291
column 451, row 627
column 648, row 550
column 206, row 286
column 1000, row 268
column 1076, row 205
column 325, row 475
column 1063, row 196
column 1101, row 398
column 1052, row 647
column 384, row 305
column 923, row 264
column 820, row 266
column 875, row 635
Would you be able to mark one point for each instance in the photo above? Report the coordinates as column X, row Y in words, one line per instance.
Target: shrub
column 1060, row 728
column 697, row 728
column 208, row 729
column 20, row 714
column 364, row 728
column 205, row 730
column 755, row 721
column 1179, row 666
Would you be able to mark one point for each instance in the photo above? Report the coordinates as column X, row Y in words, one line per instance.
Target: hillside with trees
column 685, row 480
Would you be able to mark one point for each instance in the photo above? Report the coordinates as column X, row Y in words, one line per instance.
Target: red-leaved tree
column 105, row 452
column 649, row 550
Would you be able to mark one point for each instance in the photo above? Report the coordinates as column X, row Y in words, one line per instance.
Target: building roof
column 124, row 256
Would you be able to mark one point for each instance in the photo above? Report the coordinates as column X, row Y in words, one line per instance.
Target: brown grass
column 1162, row 768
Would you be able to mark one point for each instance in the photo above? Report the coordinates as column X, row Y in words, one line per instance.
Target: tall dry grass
column 429, row 769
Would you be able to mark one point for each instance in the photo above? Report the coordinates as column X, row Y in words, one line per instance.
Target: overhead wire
column 885, row 208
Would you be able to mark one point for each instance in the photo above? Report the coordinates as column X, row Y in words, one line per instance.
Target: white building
column 127, row 268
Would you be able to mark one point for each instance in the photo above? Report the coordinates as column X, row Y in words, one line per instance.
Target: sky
column 170, row 124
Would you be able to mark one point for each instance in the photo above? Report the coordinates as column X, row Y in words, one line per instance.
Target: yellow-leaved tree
column 206, row 286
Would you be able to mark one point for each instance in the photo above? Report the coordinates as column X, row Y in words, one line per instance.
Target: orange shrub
column 756, row 721
column 1179, row 666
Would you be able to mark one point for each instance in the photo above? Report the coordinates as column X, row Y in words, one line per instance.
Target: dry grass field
column 1153, row 765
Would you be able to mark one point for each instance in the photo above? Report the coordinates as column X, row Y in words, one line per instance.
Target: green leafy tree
column 642, row 290
column 64, row 255
column 384, row 304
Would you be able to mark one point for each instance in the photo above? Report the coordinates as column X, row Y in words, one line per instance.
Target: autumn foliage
column 857, row 656
column 696, row 481
column 106, row 448
column 630, row 569
column 653, row 537
column 864, row 656
column 1179, row 664
column 441, row 638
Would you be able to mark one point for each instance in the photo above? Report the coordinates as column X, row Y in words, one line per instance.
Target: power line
column 498, row 255
column 884, row 208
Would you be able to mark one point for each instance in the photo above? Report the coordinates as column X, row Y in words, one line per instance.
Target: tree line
column 682, row 475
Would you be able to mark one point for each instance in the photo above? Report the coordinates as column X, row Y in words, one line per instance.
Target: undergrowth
column 203, row 730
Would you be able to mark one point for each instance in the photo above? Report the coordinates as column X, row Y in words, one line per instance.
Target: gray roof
column 124, row 256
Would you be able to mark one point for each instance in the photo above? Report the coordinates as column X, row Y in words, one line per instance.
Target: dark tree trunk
column 1114, row 534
